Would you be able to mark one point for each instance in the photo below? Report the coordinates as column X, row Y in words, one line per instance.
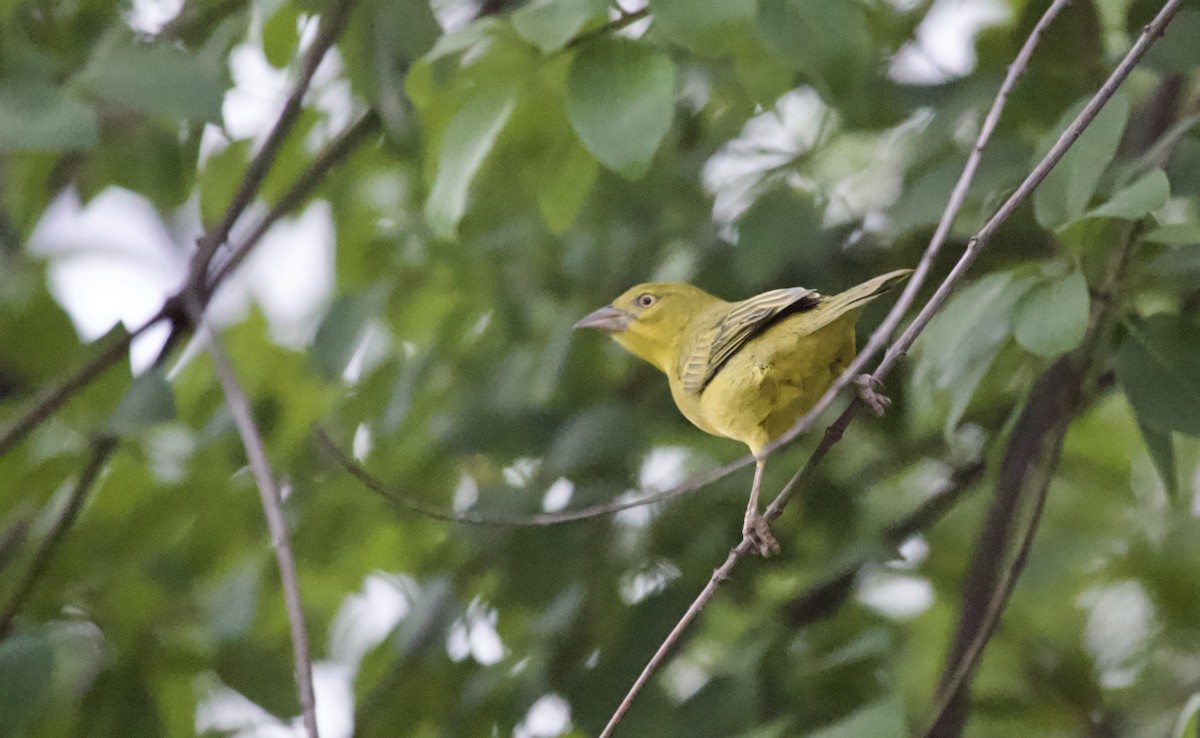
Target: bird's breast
column 774, row 379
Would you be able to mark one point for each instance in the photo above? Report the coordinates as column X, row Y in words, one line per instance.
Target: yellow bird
column 743, row 370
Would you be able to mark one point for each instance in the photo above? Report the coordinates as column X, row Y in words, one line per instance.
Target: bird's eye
column 646, row 300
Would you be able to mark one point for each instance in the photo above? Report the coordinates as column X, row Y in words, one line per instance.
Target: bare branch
column 408, row 504
column 332, row 25
column 332, row 155
column 623, row 20
column 1029, row 461
column 243, row 418
column 101, row 449
column 53, row 397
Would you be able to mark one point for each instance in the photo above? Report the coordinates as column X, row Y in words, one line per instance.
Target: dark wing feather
column 710, row 348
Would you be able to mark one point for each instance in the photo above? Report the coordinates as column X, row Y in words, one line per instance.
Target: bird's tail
column 856, row 297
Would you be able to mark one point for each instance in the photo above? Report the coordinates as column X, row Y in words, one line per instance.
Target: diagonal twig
column 332, row 25
column 626, row 18
column 53, row 397
column 1148, row 36
column 243, row 418
column 408, row 504
column 101, row 449
column 334, row 153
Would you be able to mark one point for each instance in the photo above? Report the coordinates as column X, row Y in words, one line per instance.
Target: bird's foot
column 758, row 531
column 868, row 392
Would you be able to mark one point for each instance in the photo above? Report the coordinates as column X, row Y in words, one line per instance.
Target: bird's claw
column 868, row 392
column 758, row 531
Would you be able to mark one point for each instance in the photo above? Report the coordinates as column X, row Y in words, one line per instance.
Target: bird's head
column 650, row 320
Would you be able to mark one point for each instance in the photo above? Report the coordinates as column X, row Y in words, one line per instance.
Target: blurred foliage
column 539, row 158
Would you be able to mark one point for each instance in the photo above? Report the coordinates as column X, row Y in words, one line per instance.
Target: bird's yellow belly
column 773, row 380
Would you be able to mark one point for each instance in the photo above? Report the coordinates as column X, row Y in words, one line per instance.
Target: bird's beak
column 607, row 318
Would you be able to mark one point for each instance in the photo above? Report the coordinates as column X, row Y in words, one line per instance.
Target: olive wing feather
column 708, row 349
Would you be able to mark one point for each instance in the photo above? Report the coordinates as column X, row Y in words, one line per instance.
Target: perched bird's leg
column 755, row 526
column 868, row 392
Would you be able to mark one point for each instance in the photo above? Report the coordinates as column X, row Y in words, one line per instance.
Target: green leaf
column 883, row 718
column 26, row 670
column 1137, row 200
column 280, row 37
column 1158, row 363
column 771, row 231
column 592, row 438
column 466, row 142
column 1177, row 51
column 1067, row 190
column 700, row 25
column 1183, row 167
column 148, row 401
column 155, row 79
column 120, row 705
column 466, row 37
column 961, row 342
column 620, row 99
column 234, row 601
column 829, row 41
column 40, row 117
column 1051, row 318
column 219, row 179
column 1181, row 262
column 550, row 24
column 1189, row 718
column 563, row 193
column 1176, row 234
column 406, row 30
column 341, row 331
column 1161, row 447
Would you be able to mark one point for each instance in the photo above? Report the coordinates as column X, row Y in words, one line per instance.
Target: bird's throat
column 653, row 349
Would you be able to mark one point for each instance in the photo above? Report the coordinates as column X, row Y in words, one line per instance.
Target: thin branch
column 832, row 435
column 1029, row 460
column 101, row 449
column 334, row 153
column 950, row 690
column 901, row 346
column 623, row 20
column 408, row 504
column 243, row 418
column 53, row 397
column 332, row 25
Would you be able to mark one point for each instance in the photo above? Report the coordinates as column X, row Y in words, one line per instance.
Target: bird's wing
column 710, row 347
